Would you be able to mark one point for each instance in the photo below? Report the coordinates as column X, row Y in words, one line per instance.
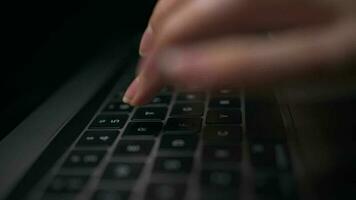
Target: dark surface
column 47, row 42
column 61, row 143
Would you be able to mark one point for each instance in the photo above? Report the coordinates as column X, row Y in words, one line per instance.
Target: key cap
column 275, row 186
column 190, row 96
column 122, row 171
column 143, row 128
column 225, row 93
column 161, row 99
column 225, row 102
column 165, row 191
column 166, row 91
column 84, row 159
column 219, row 179
column 267, row 156
column 118, row 107
column 111, row 195
column 183, row 125
column 158, row 113
column 134, row 147
column 178, row 142
column 267, row 184
column 223, row 116
column 263, row 120
column 109, row 121
column 175, row 165
column 62, row 184
column 222, row 153
column 222, row 134
column 184, row 109
column 97, row 138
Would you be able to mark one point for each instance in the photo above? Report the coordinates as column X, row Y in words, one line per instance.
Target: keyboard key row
column 84, row 159
column 64, row 184
column 269, row 156
column 118, row 107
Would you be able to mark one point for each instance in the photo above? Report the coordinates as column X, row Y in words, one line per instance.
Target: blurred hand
column 211, row 44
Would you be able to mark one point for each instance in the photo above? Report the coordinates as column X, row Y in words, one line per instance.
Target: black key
column 176, row 165
column 226, row 92
column 122, row 171
column 183, row 125
column 219, row 179
column 84, row 159
column 275, row 186
column 165, row 191
column 98, row 138
column 224, row 116
column 166, row 91
column 67, row 184
column 118, row 107
column 267, row 184
column 225, row 102
column 184, row 109
column 134, row 147
column 222, row 153
column 161, row 99
column 144, row 128
column 191, row 97
column 158, row 113
column 263, row 119
column 179, row 142
column 222, row 134
column 267, row 156
column 111, row 195
column 109, row 121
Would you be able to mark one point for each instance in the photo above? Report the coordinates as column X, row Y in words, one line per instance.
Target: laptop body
column 65, row 150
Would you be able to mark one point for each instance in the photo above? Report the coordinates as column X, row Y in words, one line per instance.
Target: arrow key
column 224, row 116
column 98, row 138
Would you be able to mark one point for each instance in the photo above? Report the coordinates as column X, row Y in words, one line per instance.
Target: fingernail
column 146, row 41
column 131, row 91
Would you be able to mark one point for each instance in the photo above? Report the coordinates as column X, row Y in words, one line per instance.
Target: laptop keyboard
column 180, row 146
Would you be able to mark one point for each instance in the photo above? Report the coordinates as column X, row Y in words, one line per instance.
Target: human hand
column 210, row 44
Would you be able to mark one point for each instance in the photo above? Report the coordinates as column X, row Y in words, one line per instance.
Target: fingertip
column 131, row 91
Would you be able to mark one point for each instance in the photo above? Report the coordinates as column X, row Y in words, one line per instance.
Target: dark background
column 45, row 42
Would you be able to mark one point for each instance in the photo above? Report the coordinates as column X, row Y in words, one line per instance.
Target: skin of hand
column 201, row 45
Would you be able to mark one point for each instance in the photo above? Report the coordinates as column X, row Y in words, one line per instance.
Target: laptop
column 66, row 134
